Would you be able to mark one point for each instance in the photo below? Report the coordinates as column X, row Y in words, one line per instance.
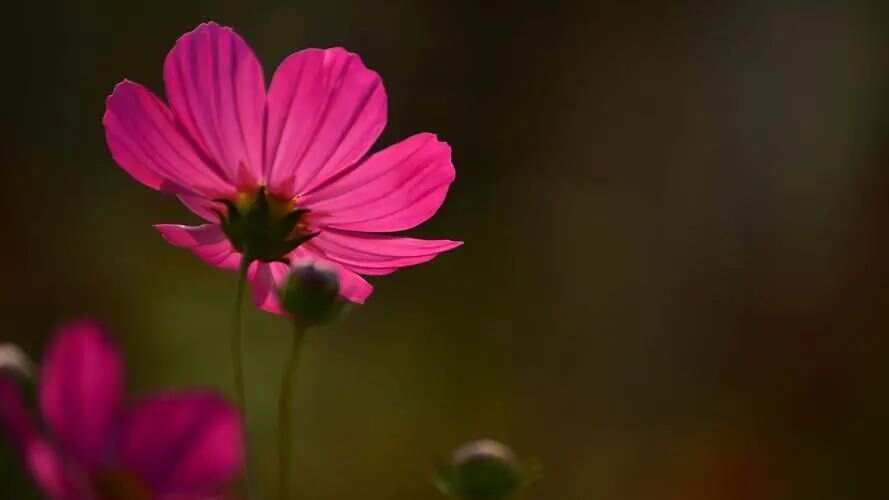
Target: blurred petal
column 56, row 480
column 14, row 416
column 325, row 111
column 183, row 443
column 217, row 91
column 394, row 189
column 208, row 242
column 377, row 255
column 81, row 389
column 145, row 140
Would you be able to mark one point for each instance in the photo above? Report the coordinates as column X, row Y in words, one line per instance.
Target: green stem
column 285, row 416
column 238, row 362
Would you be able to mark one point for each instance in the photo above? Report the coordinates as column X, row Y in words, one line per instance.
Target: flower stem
column 285, row 416
column 238, row 362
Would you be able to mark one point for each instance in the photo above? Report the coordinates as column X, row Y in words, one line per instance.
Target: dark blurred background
column 673, row 283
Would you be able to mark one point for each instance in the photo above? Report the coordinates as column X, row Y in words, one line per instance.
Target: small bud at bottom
column 481, row 470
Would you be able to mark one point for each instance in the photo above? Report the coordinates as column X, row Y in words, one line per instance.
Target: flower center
column 264, row 227
column 119, row 484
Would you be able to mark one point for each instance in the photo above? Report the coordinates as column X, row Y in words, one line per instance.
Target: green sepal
column 260, row 232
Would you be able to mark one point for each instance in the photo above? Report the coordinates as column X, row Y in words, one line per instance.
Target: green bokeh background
column 673, row 283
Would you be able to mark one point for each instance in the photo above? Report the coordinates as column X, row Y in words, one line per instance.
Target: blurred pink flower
column 280, row 173
column 169, row 446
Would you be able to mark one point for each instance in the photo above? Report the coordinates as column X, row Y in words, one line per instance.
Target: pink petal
column 265, row 279
column 353, row 288
column 325, row 111
column 183, row 443
column 217, row 91
column 394, row 189
column 377, row 255
column 55, row 479
column 202, row 207
column 81, row 389
column 145, row 140
column 208, row 242
column 14, row 416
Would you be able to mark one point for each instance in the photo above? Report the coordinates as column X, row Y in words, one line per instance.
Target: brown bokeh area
column 672, row 285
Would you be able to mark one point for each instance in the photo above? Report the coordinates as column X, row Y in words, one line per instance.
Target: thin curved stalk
column 238, row 364
column 285, row 415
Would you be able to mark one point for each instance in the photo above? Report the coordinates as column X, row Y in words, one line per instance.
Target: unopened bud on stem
column 310, row 293
column 481, row 470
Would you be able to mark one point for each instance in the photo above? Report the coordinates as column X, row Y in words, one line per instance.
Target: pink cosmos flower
column 280, row 173
column 169, row 446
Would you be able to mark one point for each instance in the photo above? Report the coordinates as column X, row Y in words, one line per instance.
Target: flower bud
column 481, row 470
column 310, row 293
